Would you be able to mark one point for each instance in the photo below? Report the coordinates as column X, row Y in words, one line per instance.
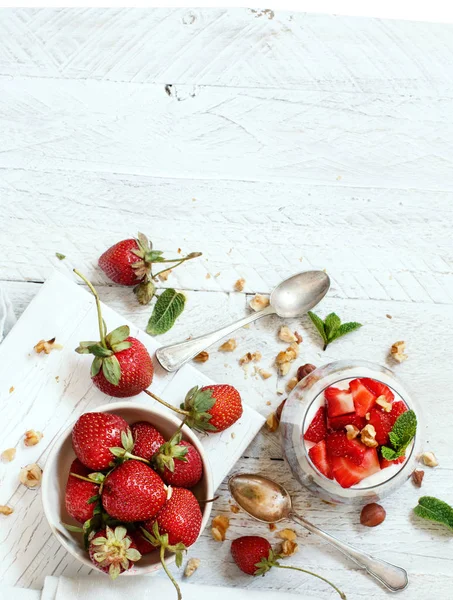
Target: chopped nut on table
column 305, row 370
column 9, row 454
column 235, row 509
column 272, row 423
column 284, row 358
column 47, row 347
column 417, row 477
column 286, row 335
column 264, row 374
column 202, row 357
column 220, row 524
column 288, row 548
column 272, row 526
column 249, row 357
column 228, row 346
column 352, row 432
column 32, row 437
column 164, row 275
column 384, row 404
column 429, row 459
column 11, row 389
column 258, row 302
column 31, row 476
column 5, row 510
column 368, row 436
column 291, row 384
column 287, row 534
column 239, row 285
column 397, row 351
column 191, row 567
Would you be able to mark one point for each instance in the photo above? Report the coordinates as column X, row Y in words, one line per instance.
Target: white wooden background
column 272, row 143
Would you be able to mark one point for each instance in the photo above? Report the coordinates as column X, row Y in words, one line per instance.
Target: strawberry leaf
column 117, row 335
column 121, row 346
column 111, row 369
column 96, row 366
column 99, row 350
column 72, row 528
column 167, row 309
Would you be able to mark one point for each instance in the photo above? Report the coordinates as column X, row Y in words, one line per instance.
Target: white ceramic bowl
column 57, row 468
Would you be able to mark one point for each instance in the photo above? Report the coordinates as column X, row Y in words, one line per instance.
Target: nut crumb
column 272, row 423
column 249, row 357
column 239, row 285
column 397, row 351
column 268, row 403
column 217, row 275
column 191, row 567
column 179, row 250
column 32, row 437
column 57, row 378
column 284, row 358
column 286, row 335
column 208, row 276
column 228, row 346
column 164, row 275
column 47, row 347
column 264, row 374
column 429, row 459
column 352, row 432
column 417, row 477
column 11, row 389
column 202, row 357
column 299, row 338
column 258, row 302
column 6, row 510
column 30, row 476
column 291, row 384
column 272, row 526
column 368, row 436
column 287, row 534
column 389, row 316
column 233, row 435
column 220, row 524
column 235, row 509
column 288, row 548
column 382, row 402
column 368, row 416
column 9, row 454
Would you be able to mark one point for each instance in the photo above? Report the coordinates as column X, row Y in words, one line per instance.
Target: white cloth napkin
column 7, row 316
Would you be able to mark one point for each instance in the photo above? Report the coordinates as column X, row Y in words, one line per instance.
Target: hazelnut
column 383, row 403
column 305, row 370
column 30, row 476
column 47, row 347
column 429, row 459
column 291, row 384
column 228, row 346
column 191, row 567
column 9, row 454
column 32, row 437
column 6, row 510
column 258, row 302
column 368, row 436
column 352, row 432
column 417, row 477
column 299, row 338
column 202, row 357
column 286, row 335
column 372, row 515
column 239, row 285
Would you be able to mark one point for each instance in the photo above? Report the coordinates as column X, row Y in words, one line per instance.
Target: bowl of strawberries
column 350, row 432
column 126, row 489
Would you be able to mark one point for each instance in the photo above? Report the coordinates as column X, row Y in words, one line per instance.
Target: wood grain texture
column 272, row 143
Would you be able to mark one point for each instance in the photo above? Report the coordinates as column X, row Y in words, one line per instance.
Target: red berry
column 341, row 421
column 117, row 261
column 317, row 430
column 338, row 444
column 339, row 402
column 398, row 409
column 133, row 492
column 388, row 463
column 143, row 545
column 227, row 408
column 92, row 437
column 147, row 440
column 318, row 455
column 116, row 553
column 187, row 471
column 78, row 492
column 382, row 422
column 378, row 388
column 363, row 398
column 347, row 473
column 248, row 551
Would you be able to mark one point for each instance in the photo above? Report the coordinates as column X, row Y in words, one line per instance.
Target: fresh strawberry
column 113, row 551
column 147, row 440
column 178, row 463
column 317, row 430
column 143, row 545
column 318, row 455
column 248, row 551
column 117, row 262
column 133, row 492
column 93, row 435
column 341, row 421
column 213, row 407
column 388, row 463
column 78, row 492
column 382, row 422
column 337, row 444
column 363, row 398
column 398, row 409
column 339, row 402
column 347, row 473
column 378, row 388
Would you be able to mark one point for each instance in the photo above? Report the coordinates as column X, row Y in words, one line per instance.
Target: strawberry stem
column 342, row 594
column 170, row 576
column 179, row 261
column 98, row 307
column 178, row 410
column 84, row 478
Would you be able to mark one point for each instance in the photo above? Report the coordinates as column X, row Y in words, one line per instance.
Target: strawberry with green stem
column 113, row 550
column 130, row 262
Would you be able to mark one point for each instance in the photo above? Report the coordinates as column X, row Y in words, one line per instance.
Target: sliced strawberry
column 382, row 422
column 388, row 463
column 317, row 430
column 397, row 409
column 318, row 455
column 362, row 396
column 339, row 402
column 338, row 445
column 347, row 473
column 378, row 388
column 341, row 421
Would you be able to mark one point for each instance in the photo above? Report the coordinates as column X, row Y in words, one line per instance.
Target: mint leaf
column 433, row 509
column 167, row 309
column 402, row 434
column 332, row 322
column 319, row 324
column 389, row 453
column 346, row 328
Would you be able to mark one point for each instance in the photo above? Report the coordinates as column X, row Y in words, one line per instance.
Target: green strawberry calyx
column 114, row 550
column 169, row 452
column 161, row 541
column 197, row 403
column 124, row 452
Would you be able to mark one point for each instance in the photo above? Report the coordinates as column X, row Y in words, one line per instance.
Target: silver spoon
column 269, row 502
column 293, row 297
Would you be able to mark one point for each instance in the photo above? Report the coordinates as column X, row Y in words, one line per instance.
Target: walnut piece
column 272, row 423
column 228, row 346
column 284, row 358
column 417, row 477
column 429, row 459
column 383, row 403
column 31, row 476
column 264, row 374
column 164, row 275
column 397, row 351
column 32, row 437
column 6, row 510
column 220, row 524
column 258, row 302
column 287, row 534
column 9, row 454
column 47, row 347
column 249, row 357
column 239, row 285
column 202, row 357
column 368, row 436
column 191, row 567
column 288, row 548
column 291, row 384
column 286, row 335
column 352, row 432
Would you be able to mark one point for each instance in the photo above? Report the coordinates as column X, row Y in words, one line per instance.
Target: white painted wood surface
column 272, row 143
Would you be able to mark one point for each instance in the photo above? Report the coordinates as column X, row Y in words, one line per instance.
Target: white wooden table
column 272, row 143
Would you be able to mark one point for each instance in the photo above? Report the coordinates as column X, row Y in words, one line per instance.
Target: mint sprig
column 332, row 328
column 402, row 434
column 167, row 309
column 433, row 509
